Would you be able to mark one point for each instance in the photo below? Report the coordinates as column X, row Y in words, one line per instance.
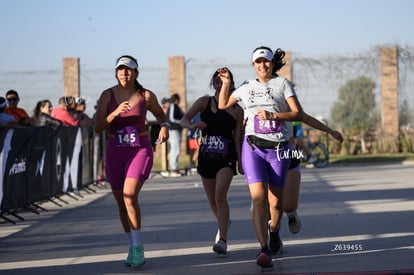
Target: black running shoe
column 275, row 243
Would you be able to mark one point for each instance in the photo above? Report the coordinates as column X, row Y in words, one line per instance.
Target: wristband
column 166, row 124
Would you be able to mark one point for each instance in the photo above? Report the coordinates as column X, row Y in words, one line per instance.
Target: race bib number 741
column 268, row 126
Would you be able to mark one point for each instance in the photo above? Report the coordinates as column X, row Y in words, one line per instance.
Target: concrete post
column 71, row 77
column 389, row 94
column 177, row 84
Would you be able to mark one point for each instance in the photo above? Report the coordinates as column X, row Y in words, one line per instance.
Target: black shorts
column 294, row 162
column 208, row 168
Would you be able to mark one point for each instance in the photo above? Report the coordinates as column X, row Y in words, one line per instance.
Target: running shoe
column 137, row 256
column 175, row 174
column 275, row 243
column 294, row 223
column 165, row 174
column 128, row 260
column 264, row 258
column 220, row 247
column 218, row 233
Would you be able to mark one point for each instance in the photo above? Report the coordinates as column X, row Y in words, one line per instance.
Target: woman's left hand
column 163, row 135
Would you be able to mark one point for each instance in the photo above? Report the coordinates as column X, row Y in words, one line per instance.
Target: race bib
column 127, row 137
column 267, row 126
column 215, row 144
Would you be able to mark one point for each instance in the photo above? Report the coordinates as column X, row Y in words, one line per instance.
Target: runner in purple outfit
column 122, row 111
column 270, row 104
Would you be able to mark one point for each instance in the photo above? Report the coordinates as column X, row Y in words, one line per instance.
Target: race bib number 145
column 127, row 137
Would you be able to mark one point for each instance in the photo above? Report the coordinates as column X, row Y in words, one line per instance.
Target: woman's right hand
column 224, row 75
column 123, row 107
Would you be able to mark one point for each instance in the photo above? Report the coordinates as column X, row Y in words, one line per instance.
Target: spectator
column 18, row 113
column 41, row 115
column 79, row 114
column 193, row 143
column 165, row 104
column 6, row 120
column 98, row 155
column 62, row 113
column 174, row 114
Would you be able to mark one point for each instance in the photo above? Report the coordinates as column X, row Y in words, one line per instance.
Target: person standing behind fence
column 193, row 143
column 41, row 115
column 62, row 113
column 219, row 152
column 6, row 120
column 270, row 104
column 80, row 112
column 18, row 113
column 121, row 112
column 174, row 115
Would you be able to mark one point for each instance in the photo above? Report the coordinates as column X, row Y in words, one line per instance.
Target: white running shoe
column 165, row 174
column 220, row 247
column 175, row 174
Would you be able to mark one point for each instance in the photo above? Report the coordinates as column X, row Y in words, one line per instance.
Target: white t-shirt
column 270, row 96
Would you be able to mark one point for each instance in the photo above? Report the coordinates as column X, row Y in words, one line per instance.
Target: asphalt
column 357, row 219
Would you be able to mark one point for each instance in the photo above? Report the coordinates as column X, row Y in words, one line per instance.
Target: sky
column 37, row 34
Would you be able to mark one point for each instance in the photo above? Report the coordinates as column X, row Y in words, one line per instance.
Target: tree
column 355, row 108
column 356, row 104
column 405, row 114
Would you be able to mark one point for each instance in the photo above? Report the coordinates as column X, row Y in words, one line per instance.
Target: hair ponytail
column 278, row 62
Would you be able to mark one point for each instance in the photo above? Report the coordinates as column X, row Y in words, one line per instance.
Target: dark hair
column 216, row 85
column 40, row 104
column 12, row 92
column 174, row 97
column 278, row 62
column 262, row 48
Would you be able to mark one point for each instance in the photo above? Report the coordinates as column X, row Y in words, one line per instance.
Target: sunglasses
column 12, row 99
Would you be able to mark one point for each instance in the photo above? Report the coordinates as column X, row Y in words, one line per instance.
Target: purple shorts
column 265, row 165
column 128, row 162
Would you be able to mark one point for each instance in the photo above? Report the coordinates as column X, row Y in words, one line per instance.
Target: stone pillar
column 176, row 78
column 71, row 77
column 177, row 84
column 389, row 94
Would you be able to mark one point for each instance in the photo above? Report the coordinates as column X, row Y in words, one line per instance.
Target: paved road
column 355, row 218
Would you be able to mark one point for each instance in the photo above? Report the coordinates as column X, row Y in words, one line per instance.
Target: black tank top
column 220, row 123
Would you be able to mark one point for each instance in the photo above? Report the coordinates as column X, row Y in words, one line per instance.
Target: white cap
column 126, row 61
column 262, row 53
